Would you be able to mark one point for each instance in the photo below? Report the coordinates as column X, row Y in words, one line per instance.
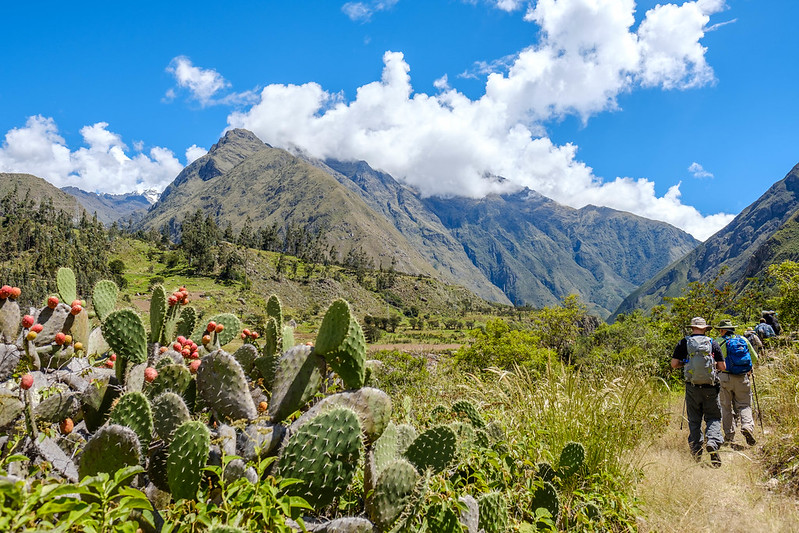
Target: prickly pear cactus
column 347, row 524
column 246, row 355
column 10, row 408
column 466, row 409
column 298, row 377
column 9, row 359
column 9, row 320
column 96, row 344
column 274, row 309
column 104, row 298
column 96, row 401
column 187, row 321
column 434, row 449
column 469, row 515
column 57, row 407
column 232, row 328
column 157, row 313
column 124, row 332
column 53, row 321
column 372, row 406
column 188, row 454
column 271, row 337
column 171, row 377
column 341, row 342
column 287, row 338
column 545, row 471
column 385, row 449
column 571, row 459
column 81, row 328
column 169, row 413
column 493, row 512
column 393, row 491
column 67, row 286
column 546, row 497
column 133, row 411
column 323, row 454
column 406, row 434
column 108, row 450
column 225, row 529
column 442, row 519
column 223, row 387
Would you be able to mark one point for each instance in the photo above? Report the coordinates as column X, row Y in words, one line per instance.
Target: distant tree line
column 37, row 239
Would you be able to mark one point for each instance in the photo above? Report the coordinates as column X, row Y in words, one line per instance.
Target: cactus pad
column 393, row 491
column 347, row 524
column 571, row 459
column 287, row 338
column 406, row 434
column 9, row 359
column 110, row 448
column 124, row 332
column 545, row 472
column 469, row 515
column 493, row 512
column 298, row 376
column 323, row 454
column 246, row 355
column 169, row 413
column 464, row 409
column 67, row 286
column 223, row 387
column 274, row 309
column 341, row 342
column 546, row 497
column 104, row 298
column 57, row 407
column 10, row 408
column 133, row 410
column 157, row 313
column 53, row 321
column 187, row 321
column 188, row 455
column 260, row 440
column 232, row 329
column 171, row 377
column 9, row 320
column 372, row 406
column 434, row 449
column 442, row 519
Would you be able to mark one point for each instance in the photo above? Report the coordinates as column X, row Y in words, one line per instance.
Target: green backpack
column 700, row 368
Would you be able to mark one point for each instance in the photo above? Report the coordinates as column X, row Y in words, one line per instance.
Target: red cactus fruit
column 181, row 339
column 150, row 374
column 185, row 352
column 76, row 309
column 194, row 365
column 211, row 327
column 60, row 338
column 109, row 363
column 263, row 406
column 15, row 292
column 112, row 357
column 5, row 292
column 26, row 382
column 206, row 339
column 37, row 328
column 177, row 346
column 163, row 349
column 255, row 335
column 219, row 328
column 27, row 321
column 66, row 426
column 52, row 302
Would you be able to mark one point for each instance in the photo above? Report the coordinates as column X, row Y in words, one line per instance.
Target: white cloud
column 204, row 85
column 445, row 144
column 698, row 171
column 363, row 11
column 194, row 153
column 103, row 165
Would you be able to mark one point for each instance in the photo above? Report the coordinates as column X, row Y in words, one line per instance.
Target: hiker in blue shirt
column 700, row 357
column 764, row 330
column 736, row 390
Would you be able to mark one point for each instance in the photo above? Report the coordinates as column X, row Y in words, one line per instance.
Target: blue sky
column 682, row 112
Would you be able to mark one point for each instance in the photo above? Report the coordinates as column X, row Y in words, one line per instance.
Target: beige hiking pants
column 736, row 401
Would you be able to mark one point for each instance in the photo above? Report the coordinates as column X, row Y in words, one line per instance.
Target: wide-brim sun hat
column 726, row 324
column 699, row 323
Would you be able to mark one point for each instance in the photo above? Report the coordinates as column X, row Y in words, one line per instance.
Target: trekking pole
column 757, row 402
column 683, row 412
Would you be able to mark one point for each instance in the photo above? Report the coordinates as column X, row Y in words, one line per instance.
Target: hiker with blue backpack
column 736, row 390
column 701, row 359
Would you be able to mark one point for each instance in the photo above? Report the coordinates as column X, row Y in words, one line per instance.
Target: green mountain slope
column 243, row 178
column 759, row 236
column 539, row 251
column 37, row 189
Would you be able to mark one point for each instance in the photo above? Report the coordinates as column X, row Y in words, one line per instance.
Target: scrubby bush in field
column 498, row 345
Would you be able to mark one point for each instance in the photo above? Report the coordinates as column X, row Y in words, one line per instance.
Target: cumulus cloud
column 363, row 11
column 698, row 171
column 206, row 86
column 446, row 144
column 194, row 153
column 104, row 164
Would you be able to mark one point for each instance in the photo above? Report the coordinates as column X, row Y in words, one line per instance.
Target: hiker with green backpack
column 736, row 390
column 701, row 359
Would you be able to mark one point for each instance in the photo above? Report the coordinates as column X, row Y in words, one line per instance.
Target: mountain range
column 519, row 248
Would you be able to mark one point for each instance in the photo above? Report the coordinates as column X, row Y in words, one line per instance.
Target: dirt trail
column 680, row 495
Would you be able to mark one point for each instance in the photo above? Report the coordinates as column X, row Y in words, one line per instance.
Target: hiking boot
column 750, row 439
column 715, row 458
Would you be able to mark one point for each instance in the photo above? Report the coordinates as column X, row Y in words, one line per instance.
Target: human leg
column 693, row 410
column 726, row 403
column 742, row 400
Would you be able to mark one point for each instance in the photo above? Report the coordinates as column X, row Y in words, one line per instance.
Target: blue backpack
column 738, row 359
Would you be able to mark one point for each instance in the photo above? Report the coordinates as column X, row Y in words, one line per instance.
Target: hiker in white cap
column 700, row 357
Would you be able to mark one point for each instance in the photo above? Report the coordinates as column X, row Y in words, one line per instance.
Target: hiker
column 771, row 319
column 736, row 390
column 700, row 357
column 764, row 330
column 754, row 339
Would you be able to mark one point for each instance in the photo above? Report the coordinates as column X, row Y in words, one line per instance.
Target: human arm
column 680, row 354
column 718, row 356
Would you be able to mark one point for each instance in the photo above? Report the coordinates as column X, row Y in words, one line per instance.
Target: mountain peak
column 240, row 140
